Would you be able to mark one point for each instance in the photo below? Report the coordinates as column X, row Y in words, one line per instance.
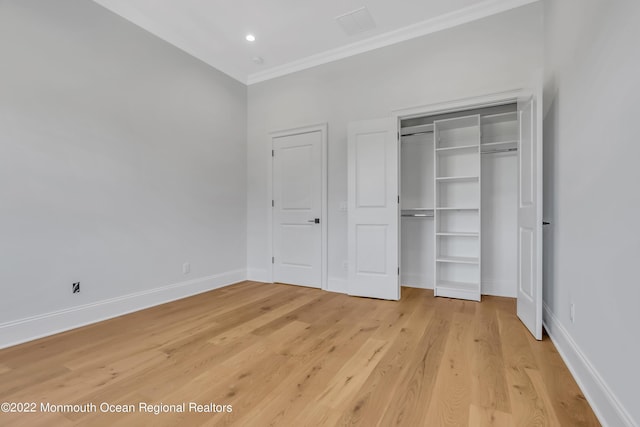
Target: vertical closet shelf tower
column 457, row 201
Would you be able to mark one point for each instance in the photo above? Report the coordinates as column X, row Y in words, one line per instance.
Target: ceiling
column 291, row 35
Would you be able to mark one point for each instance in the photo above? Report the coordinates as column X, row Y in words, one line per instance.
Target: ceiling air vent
column 356, row 22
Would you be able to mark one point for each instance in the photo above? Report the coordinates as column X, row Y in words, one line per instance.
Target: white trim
column 337, row 284
column 34, row 327
column 488, row 288
column 323, row 129
column 258, row 275
column 415, row 286
column 469, row 103
column 429, row 26
column 603, row 401
column 417, row 281
column 491, row 287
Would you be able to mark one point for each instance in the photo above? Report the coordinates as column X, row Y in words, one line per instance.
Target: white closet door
column 530, row 217
column 373, row 209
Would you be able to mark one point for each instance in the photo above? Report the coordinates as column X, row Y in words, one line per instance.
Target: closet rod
column 500, row 150
column 417, row 215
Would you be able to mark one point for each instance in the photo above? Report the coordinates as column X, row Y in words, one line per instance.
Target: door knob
column 315, row 220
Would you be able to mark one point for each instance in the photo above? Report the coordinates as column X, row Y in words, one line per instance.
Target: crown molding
column 442, row 22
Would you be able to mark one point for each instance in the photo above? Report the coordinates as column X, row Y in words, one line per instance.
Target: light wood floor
column 291, row 356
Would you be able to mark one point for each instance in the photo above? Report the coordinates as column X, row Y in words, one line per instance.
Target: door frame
column 481, row 101
column 322, row 128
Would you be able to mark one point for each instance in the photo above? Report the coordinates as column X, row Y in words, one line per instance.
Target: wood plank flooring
column 292, row 356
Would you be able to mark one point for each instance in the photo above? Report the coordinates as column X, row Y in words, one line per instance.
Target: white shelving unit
column 457, row 166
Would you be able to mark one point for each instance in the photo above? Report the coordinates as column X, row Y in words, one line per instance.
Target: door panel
column 295, row 250
column 369, row 241
column 297, row 181
column 373, row 209
column 297, row 189
column 370, row 160
column 529, row 305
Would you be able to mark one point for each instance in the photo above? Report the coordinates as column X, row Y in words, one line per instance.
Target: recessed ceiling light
column 250, row 38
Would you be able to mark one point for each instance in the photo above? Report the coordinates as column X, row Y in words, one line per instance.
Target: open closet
column 449, row 197
column 458, row 202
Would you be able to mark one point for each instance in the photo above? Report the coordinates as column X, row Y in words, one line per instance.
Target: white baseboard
column 415, row 286
column 416, row 281
column 499, row 288
column 494, row 288
column 258, row 275
column 604, row 403
column 337, row 284
column 34, row 327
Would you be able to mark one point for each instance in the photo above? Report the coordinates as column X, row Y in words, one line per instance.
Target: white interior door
column 530, row 217
column 297, row 209
column 373, row 209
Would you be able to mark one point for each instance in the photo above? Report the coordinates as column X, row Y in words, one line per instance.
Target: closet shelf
column 499, row 143
column 458, row 286
column 445, row 150
column 445, row 179
column 412, row 130
column 457, row 209
column 458, row 260
column 457, row 234
column 417, row 212
column 469, row 291
column 457, row 123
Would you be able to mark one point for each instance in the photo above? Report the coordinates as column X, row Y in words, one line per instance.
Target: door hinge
column 273, row 203
column 273, row 153
column 398, row 136
column 273, row 260
column 398, row 271
column 398, row 199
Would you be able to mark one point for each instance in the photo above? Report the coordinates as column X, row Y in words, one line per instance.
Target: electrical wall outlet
column 186, row 268
column 75, row 287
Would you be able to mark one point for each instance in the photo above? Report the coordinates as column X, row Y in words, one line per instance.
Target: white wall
column 592, row 178
column 494, row 54
column 121, row 157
